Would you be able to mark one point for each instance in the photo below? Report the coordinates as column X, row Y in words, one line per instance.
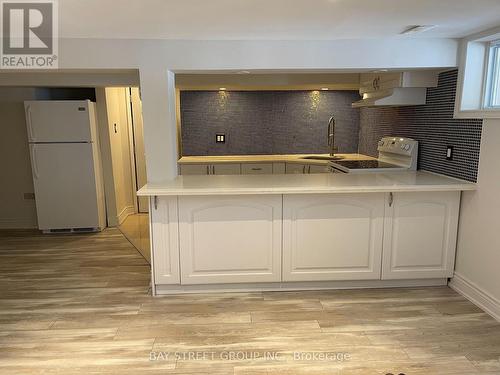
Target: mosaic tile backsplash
column 288, row 122
column 267, row 122
column 433, row 126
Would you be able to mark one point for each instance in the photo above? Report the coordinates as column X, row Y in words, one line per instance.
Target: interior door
column 65, row 185
column 140, row 154
column 58, row 121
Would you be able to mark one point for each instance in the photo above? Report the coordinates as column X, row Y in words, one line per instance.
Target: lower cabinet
column 230, row 239
column 226, row 169
column 257, row 168
column 165, row 240
column 297, row 168
column 318, row 169
column 332, row 236
column 210, row 169
column 304, row 237
column 194, row 169
column 420, row 234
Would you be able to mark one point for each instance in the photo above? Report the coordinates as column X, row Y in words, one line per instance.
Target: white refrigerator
column 67, row 177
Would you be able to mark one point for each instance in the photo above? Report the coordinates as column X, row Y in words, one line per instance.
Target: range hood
column 398, row 96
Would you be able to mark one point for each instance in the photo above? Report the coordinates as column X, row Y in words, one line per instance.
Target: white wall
column 120, row 153
column 478, row 256
column 15, row 165
column 155, row 58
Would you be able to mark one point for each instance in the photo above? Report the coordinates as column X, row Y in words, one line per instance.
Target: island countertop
column 407, row 181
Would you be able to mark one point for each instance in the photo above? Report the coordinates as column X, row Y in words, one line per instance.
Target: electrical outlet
column 220, row 138
column 29, row 196
column 449, row 152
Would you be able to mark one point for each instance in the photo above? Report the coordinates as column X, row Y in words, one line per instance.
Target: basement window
column 492, row 92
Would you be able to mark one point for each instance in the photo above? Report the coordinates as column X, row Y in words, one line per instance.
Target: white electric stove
column 394, row 154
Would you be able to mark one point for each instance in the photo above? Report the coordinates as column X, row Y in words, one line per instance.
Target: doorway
column 122, row 146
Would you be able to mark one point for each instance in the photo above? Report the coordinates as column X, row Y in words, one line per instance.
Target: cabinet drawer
column 294, row 168
column 257, row 168
column 225, row 169
column 194, row 169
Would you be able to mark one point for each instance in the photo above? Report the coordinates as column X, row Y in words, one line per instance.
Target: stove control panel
column 398, row 145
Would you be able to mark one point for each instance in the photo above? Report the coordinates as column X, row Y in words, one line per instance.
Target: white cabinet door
column 194, row 169
column 420, row 235
column 278, row 168
column 332, row 236
column 230, row 239
column 165, row 240
column 226, row 169
column 318, row 169
column 257, row 168
column 295, row 168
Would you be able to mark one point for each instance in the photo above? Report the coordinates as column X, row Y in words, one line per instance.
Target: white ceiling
column 272, row 19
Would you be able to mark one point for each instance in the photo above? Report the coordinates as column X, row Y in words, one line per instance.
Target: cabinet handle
column 34, row 162
column 256, row 169
column 213, row 169
column 155, row 202
column 391, row 199
column 208, row 170
column 304, row 169
column 309, row 170
column 30, row 123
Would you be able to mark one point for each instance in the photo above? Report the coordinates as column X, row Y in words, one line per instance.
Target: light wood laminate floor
column 136, row 229
column 80, row 304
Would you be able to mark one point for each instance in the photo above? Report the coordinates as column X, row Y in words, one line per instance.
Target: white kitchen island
column 290, row 232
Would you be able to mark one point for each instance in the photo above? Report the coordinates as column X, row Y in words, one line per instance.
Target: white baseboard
column 14, row 223
column 163, row 289
column 476, row 295
column 128, row 210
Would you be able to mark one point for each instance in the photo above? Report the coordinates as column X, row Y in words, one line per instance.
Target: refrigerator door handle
column 30, row 125
column 34, row 163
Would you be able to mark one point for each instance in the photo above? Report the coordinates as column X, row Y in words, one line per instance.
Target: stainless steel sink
column 322, row 157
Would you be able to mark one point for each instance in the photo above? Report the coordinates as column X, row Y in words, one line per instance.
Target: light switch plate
column 220, row 138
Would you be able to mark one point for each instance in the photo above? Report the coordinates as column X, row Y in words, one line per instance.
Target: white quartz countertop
column 289, row 158
column 306, row 184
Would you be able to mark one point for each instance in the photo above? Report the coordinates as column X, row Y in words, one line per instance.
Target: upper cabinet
column 395, row 89
column 371, row 82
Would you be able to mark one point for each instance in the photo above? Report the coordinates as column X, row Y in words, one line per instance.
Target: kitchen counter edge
column 306, row 184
